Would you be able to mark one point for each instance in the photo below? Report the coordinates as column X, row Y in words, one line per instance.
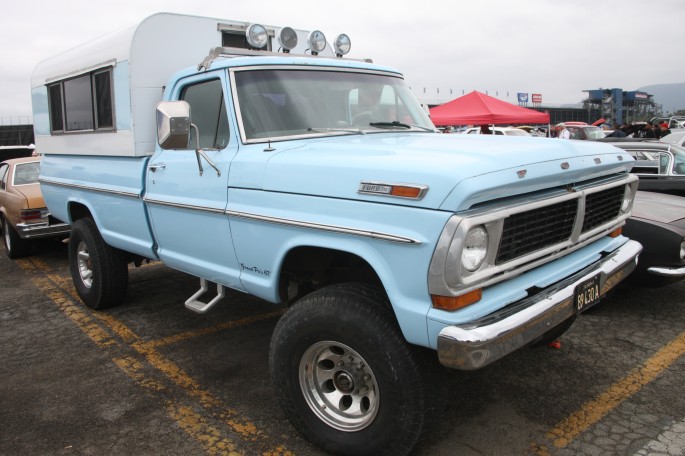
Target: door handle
column 155, row 166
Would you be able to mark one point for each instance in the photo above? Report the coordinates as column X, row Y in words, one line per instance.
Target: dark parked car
column 660, row 166
column 658, row 223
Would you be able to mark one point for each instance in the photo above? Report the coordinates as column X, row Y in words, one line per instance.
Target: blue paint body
column 316, row 181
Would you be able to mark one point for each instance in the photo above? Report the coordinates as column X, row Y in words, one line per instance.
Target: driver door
column 186, row 205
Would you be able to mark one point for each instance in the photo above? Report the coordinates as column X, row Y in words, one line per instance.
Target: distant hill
column 669, row 96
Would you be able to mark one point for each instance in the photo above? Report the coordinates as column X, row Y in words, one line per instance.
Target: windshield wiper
column 398, row 124
column 355, row 131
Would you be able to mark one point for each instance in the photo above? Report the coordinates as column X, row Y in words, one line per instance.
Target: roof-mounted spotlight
column 287, row 38
column 342, row 45
column 316, row 42
column 257, row 36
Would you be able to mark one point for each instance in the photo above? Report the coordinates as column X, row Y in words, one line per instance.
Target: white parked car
column 507, row 131
column 677, row 136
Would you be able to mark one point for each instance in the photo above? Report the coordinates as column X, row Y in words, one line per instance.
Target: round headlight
column 682, row 250
column 256, row 36
column 627, row 199
column 475, row 248
column 316, row 42
column 287, row 38
column 342, row 45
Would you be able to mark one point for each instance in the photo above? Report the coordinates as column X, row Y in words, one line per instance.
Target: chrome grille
column 533, row 230
column 602, row 207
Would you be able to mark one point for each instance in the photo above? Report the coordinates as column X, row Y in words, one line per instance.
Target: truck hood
column 459, row 170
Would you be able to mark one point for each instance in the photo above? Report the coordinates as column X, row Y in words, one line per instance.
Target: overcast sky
column 557, row 48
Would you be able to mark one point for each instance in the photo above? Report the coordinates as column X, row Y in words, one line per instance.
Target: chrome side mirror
column 173, row 124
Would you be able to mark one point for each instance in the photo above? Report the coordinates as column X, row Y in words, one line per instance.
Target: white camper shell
column 100, row 98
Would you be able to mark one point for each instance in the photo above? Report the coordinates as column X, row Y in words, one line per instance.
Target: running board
column 200, row 307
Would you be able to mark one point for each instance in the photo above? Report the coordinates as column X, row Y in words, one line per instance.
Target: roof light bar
column 342, row 45
column 316, row 42
column 257, row 36
column 287, row 38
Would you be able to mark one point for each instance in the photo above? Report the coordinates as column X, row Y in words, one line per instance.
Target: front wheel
column 346, row 377
column 99, row 272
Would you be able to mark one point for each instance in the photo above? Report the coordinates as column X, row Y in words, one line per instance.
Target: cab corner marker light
column 616, row 233
column 287, row 39
column 316, row 42
column 457, row 302
column 256, row 35
column 342, row 45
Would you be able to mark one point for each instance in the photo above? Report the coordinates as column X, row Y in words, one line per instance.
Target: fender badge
column 521, row 173
column 598, row 161
column 565, row 165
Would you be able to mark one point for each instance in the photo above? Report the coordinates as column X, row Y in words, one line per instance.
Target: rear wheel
column 346, row 377
column 15, row 246
column 99, row 272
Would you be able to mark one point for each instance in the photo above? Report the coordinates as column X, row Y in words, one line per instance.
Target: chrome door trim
column 324, row 227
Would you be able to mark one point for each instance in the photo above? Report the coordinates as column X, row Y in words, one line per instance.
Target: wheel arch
column 307, row 268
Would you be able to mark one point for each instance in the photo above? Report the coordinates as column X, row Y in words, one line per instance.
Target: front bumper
column 476, row 344
column 42, row 229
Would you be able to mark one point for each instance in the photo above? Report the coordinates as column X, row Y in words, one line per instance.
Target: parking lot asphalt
column 152, row 378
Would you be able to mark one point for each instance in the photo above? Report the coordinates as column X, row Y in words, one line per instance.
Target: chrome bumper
column 40, row 230
column 667, row 272
column 474, row 345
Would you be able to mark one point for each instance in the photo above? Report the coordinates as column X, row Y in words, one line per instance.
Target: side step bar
column 200, row 307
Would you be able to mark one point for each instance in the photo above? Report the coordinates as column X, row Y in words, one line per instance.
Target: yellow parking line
column 195, row 425
column 213, row 329
column 58, row 289
column 593, row 411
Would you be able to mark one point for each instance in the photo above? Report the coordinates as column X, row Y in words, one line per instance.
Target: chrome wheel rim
column 85, row 268
column 339, row 386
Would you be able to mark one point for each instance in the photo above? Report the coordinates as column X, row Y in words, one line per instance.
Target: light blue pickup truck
column 260, row 159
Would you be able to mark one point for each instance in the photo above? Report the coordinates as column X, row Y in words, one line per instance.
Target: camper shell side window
column 82, row 103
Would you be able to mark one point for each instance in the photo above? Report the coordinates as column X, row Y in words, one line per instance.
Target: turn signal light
column 405, row 192
column 457, row 302
column 616, row 233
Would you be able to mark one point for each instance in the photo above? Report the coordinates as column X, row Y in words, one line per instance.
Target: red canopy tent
column 476, row 108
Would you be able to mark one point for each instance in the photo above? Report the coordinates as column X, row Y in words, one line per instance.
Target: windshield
column 283, row 103
column 26, row 173
column 594, row 132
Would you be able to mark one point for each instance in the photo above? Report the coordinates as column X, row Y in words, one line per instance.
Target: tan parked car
column 23, row 214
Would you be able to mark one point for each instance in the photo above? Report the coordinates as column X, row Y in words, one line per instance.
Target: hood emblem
column 598, row 161
column 399, row 190
column 565, row 165
column 521, row 173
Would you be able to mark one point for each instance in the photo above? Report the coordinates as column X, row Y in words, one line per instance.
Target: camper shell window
column 83, row 103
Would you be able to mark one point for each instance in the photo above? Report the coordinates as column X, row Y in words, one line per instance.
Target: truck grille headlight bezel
column 475, row 248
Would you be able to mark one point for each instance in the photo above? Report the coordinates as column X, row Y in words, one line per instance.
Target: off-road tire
column 99, row 272
column 341, row 347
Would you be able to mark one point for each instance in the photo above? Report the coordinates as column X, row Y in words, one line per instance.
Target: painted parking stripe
column 61, row 292
column 593, row 411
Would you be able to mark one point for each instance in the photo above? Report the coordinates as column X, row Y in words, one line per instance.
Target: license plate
column 587, row 294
